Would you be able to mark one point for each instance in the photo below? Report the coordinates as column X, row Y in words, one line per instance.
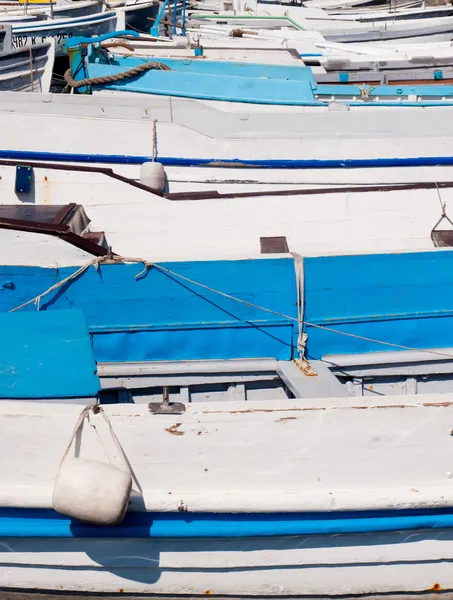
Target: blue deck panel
column 46, row 355
column 238, row 82
column 234, row 88
column 298, row 72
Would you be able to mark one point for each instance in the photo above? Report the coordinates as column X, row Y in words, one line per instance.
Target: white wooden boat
column 339, row 64
column 370, row 516
column 79, row 8
column 33, row 30
column 135, row 14
column 234, row 225
column 347, row 6
column 286, row 23
column 27, row 69
column 185, row 48
column 225, row 147
column 372, row 511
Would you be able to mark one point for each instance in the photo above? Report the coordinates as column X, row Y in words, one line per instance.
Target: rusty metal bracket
column 166, row 407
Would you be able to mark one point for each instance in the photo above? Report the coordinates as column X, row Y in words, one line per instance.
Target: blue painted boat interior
column 46, row 354
column 21, row 522
column 232, row 81
column 194, row 65
column 404, row 299
column 209, row 81
column 157, row 317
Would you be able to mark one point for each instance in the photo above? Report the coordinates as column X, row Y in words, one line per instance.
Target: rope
column 147, row 265
column 96, row 409
column 238, row 33
column 118, row 44
column 30, row 56
column 299, row 268
column 365, row 92
column 112, row 78
column 437, row 240
column 154, row 150
column 75, row 275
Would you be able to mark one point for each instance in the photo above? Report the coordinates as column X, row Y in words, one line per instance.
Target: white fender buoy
column 152, row 174
column 338, row 107
column 92, row 491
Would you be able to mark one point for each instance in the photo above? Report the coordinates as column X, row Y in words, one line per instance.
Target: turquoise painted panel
column 225, row 68
column 46, row 355
column 240, row 82
column 211, row 87
column 160, row 317
column 204, row 79
column 405, row 299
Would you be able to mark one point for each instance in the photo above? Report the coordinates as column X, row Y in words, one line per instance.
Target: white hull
column 270, row 56
column 287, row 24
column 386, row 463
column 156, row 228
column 60, row 30
column 194, row 138
column 220, row 130
column 395, row 565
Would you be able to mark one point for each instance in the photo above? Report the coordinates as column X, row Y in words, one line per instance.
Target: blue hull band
column 173, row 161
column 16, row 522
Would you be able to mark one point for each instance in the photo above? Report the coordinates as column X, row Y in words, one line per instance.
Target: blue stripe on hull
column 16, row 522
column 173, row 161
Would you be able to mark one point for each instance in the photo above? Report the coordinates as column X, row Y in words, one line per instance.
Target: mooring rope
column 158, row 66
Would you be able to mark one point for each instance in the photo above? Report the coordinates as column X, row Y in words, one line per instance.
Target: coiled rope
column 158, row 66
column 365, row 92
column 238, row 33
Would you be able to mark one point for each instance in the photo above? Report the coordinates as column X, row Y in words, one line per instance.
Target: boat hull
column 27, row 70
column 387, row 565
column 141, row 16
column 239, row 533
column 62, row 29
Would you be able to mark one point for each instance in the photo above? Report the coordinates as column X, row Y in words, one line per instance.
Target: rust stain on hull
column 324, row 408
column 436, row 588
column 305, row 368
column 174, row 429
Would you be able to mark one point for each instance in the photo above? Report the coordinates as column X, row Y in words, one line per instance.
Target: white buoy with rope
column 152, row 174
column 91, row 490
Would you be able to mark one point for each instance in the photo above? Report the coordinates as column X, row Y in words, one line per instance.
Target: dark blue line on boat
column 16, row 522
column 173, row 161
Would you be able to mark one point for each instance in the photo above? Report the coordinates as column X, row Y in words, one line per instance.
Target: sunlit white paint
column 396, row 454
column 138, row 223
